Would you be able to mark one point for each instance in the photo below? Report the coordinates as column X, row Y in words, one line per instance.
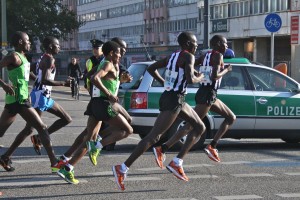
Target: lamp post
column 206, row 24
column 3, row 35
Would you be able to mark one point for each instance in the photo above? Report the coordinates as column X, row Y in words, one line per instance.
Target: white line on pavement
column 139, row 179
column 289, row 195
column 293, row 173
column 35, row 181
column 252, row 175
column 237, row 197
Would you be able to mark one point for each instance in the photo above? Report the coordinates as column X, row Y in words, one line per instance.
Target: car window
column 267, row 80
column 137, row 72
column 234, row 80
column 155, row 83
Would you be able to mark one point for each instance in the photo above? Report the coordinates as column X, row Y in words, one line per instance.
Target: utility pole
column 4, row 36
column 206, row 24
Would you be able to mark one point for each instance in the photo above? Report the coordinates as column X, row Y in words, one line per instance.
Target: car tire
column 178, row 124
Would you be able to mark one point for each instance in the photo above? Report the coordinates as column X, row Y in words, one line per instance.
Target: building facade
column 150, row 27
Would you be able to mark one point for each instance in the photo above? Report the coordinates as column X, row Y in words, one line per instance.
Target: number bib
column 170, row 77
column 206, row 71
column 95, row 92
column 26, row 71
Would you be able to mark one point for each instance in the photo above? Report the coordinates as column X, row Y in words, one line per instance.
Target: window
column 234, row 80
column 267, row 80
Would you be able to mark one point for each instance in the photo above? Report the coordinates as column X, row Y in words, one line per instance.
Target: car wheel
column 174, row 128
column 292, row 141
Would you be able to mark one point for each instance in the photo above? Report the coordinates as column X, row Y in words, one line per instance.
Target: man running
column 179, row 72
column 206, row 99
column 103, row 106
column 17, row 98
column 41, row 98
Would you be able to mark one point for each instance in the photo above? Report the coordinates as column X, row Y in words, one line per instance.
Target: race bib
column 26, row 71
column 95, row 92
column 170, row 78
column 206, row 71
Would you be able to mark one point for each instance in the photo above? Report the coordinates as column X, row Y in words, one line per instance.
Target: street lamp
column 4, row 35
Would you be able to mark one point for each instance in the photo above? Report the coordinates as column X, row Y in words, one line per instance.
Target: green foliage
column 41, row 18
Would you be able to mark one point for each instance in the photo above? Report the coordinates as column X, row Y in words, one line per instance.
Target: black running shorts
column 171, row 100
column 101, row 109
column 15, row 108
column 206, row 95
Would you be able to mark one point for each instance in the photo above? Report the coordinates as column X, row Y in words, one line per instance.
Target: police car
column 265, row 101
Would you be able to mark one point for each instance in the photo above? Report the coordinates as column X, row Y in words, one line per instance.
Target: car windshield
column 137, row 72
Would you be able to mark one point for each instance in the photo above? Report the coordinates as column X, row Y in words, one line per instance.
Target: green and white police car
column 265, row 101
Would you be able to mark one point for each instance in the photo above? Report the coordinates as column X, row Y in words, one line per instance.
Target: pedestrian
column 17, row 98
column 206, row 99
column 74, row 72
column 179, row 72
column 102, row 108
column 41, row 99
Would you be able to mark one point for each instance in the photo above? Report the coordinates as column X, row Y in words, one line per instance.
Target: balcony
column 146, row 15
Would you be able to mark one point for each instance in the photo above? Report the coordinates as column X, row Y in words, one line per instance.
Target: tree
column 41, row 18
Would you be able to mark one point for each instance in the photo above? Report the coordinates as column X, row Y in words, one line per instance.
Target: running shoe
column 160, row 157
column 93, row 151
column 60, row 164
column 212, row 153
column 68, row 176
column 5, row 162
column 119, row 176
column 37, row 145
column 177, row 171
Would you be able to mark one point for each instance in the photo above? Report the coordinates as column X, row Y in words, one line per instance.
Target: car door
column 277, row 103
column 235, row 91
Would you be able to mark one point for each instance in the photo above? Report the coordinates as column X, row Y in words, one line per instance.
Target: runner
column 17, row 97
column 92, row 69
column 206, row 99
column 179, row 72
column 102, row 107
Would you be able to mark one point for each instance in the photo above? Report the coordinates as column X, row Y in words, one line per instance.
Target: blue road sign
column 273, row 22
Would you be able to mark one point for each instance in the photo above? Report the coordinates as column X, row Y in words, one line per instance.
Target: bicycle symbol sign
column 273, row 22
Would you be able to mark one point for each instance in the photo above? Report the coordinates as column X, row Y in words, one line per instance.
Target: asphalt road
column 250, row 169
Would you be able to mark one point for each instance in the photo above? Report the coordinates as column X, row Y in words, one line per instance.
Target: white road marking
column 175, row 199
column 293, row 173
column 237, row 197
column 201, row 176
column 271, row 160
column 252, row 175
column 236, row 162
column 35, row 181
column 289, row 195
column 139, row 179
column 104, row 173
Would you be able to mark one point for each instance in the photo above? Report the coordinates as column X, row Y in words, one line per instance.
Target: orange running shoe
column 212, row 153
column 177, row 171
column 160, row 157
column 37, row 145
column 119, row 176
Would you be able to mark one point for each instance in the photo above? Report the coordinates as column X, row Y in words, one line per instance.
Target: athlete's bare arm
column 217, row 62
column 152, row 69
column 45, row 66
column 11, row 61
column 189, row 62
column 104, row 73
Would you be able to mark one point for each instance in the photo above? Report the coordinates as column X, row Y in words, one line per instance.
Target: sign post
column 273, row 24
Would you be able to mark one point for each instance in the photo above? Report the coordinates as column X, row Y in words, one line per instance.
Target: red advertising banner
column 294, row 29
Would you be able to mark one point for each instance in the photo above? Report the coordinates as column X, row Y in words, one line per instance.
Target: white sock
column 71, row 167
column 99, row 145
column 178, row 161
column 65, row 158
column 124, row 168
